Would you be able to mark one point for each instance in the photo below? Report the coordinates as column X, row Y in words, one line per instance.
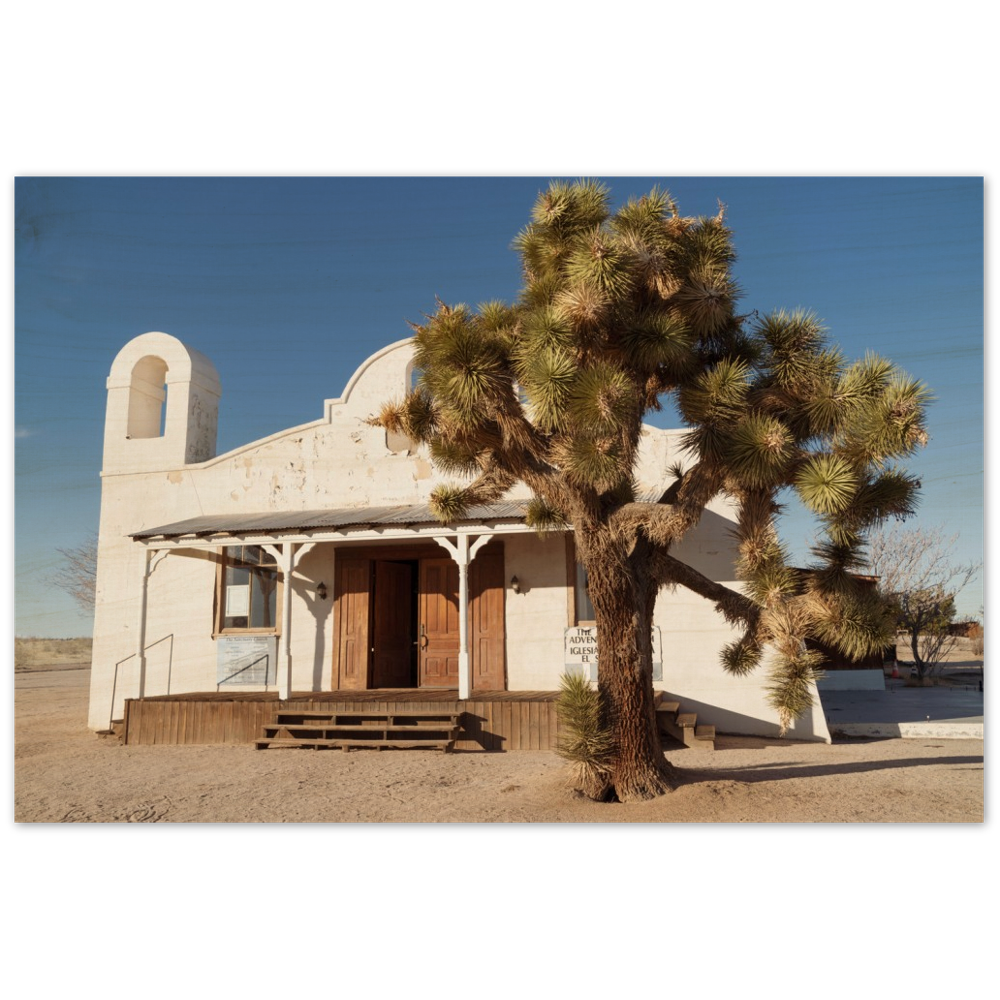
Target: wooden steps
column 349, row 730
column 682, row 726
column 117, row 728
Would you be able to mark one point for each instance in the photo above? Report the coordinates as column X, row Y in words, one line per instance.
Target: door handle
column 423, row 636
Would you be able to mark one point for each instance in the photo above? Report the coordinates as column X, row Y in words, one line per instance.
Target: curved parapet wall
column 388, row 370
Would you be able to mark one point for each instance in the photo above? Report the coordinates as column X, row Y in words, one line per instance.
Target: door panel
column 438, row 623
column 352, row 605
column 486, row 628
column 373, row 604
column 392, row 644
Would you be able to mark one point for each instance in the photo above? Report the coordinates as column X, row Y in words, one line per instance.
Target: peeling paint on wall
column 399, row 444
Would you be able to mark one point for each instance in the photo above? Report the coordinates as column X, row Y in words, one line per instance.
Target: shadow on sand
column 784, row 770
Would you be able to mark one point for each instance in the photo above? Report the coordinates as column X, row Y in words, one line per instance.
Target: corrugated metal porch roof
column 308, row 520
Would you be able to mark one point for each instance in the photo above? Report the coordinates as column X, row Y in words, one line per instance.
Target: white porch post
column 287, row 561
column 463, row 554
column 287, row 553
column 464, row 663
column 140, row 645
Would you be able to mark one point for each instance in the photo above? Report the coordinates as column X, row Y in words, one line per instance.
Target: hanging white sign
column 581, row 651
column 237, row 601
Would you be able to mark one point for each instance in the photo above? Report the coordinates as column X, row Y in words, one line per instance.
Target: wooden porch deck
column 491, row 720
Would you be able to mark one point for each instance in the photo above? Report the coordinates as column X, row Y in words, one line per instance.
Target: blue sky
column 288, row 284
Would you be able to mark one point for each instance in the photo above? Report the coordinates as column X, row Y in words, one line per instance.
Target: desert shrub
column 585, row 740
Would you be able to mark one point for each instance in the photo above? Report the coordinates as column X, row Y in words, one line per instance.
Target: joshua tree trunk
column 623, row 599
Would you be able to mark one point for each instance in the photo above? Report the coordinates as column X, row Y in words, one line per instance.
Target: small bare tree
column 979, row 638
column 917, row 576
column 78, row 575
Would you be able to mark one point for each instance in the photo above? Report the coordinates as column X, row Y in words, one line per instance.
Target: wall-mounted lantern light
column 321, row 591
column 515, row 585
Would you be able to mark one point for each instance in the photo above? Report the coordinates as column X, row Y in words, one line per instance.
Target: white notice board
column 246, row 659
column 581, row 651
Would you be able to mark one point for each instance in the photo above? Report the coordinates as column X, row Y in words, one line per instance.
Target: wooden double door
column 397, row 619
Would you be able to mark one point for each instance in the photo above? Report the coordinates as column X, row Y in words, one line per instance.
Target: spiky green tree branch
column 619, row 310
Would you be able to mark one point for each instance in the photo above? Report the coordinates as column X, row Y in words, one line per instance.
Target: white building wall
column 537, row 617
column 693, row 637
column 312, row 638
column 340, row 460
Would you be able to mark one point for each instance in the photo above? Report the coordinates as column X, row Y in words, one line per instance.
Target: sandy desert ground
column 64, row 773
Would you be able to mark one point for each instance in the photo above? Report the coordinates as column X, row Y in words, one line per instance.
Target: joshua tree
column 617, row 312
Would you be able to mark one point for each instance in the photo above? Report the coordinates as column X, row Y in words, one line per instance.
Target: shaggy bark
column 623, row 594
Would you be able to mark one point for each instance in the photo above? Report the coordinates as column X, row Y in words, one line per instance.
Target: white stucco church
column 309, row 563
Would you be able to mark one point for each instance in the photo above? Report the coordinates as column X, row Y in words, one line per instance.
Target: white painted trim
column 464, row 662
column 911, row 730
column 285, row 656
column 459, row 553
column 430, row 533
column 446, row 544
column 477, row 545
column 463, row 553
column 274, row 548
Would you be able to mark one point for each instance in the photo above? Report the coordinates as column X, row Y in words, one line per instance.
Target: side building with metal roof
column 309, row 562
